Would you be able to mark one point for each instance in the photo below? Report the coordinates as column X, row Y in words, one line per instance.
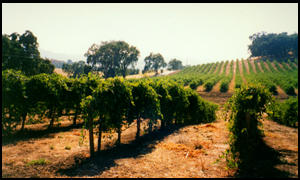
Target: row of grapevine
column 110, row 103
column 245, row 109
column 226, row 80
column 238, row 77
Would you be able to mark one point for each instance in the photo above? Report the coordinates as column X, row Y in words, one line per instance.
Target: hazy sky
column 194, row 33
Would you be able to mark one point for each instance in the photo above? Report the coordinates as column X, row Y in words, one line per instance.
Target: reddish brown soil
column 227, row 68
column 281, row 66
column 222, row 68
column 267, row 66
column 246, row 65
column 189, row 151
column 241, row 72
column 232, row 82
column 216, row 68
column 272, row 63
column 253, row 66
column 259, row 66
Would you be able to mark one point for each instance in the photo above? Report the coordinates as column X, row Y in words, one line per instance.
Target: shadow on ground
column 105, row 159
column 27, row 134
column 264, row 165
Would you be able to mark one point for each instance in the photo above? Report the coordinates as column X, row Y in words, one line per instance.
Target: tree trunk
column 91, row 136
column 52, row 118
column 100, row 135
column 119, row 136
column 75, row 117
column 23, row 120
column 124, row 73
column 138, row 125
column 150, row 126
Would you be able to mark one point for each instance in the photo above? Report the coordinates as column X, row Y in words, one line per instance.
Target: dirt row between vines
column 190, row 151
column 185, row 152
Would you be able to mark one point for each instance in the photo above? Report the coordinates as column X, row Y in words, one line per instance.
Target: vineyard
column 274, row 75
column 127, row 114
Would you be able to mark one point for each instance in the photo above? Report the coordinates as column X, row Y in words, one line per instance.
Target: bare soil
column 232, row 82
column 246, row 65
column 216, row 68
column 227, row 68
column 267, row 66
column 259, row 66
column 281, row 66
column 222, row 68
column 241, row 72
column 272, row 63
column 190, row 151
column 253, row 66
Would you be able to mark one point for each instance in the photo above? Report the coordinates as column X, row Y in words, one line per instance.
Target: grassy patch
column 41, row 161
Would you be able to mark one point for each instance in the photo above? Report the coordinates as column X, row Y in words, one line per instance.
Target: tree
column 76, row 68
column 175, row 64
column 154, row 62
column 113, row 58
column 20, row 52
column 274, row 46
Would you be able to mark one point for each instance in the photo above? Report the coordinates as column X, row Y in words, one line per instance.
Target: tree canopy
column 154, row 62
column 175, row 64
column 20, row 52
column 112, row 58
column 274, row 46
column 76, row 69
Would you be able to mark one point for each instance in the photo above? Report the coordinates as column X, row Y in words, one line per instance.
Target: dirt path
column 259, row 66
column 290, row 68
column 216, row 87
column 253, row 66
column 281, row 66
column 227, row 68
column 241, row 72
column 267, row 66
column 189, row 151
column 272, row 63
column 284, row 140
column 232, row 82
column 185, row 152
column 222, row 68
column 281, row 93
column 246, row 65
column 215, row 72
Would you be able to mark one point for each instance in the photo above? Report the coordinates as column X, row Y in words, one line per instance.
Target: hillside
column 217, row 81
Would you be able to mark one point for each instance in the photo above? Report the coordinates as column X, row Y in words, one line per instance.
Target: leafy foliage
column 154, row 62
column 112, row 58
column 285, row 113
column 275, row 46
column 20, row 52
column 245, row 108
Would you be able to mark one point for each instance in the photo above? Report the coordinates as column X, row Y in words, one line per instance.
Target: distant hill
column 58, row 59
column 58, row 63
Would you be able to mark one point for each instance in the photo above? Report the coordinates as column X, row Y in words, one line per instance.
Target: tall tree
column 175, row 64
column 154, row 62
column 20, row 52
column 112, row 58
column 274, row 46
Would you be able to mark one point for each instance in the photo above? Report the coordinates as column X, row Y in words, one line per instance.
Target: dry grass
column 189, row 152
column 61, row 72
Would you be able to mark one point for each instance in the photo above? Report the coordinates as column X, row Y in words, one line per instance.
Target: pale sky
column 194, row 33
